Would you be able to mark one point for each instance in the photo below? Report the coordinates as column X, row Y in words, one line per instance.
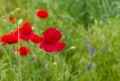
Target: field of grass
column 90, row 29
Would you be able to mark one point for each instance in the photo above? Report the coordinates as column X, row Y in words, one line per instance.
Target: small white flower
column 12, row 13
column 95, row 21
column 17, row 9
column 72, row 47
column 55, row 63
column 20, row 21
column 4, row 20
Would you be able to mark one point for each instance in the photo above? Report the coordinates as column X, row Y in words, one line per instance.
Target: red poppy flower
column 36, row 39
column 42, row 13
column 9, row 39
column 11, row 19
column 51, row 41
column 23, row 51
column 52, row 47
column 25, row 32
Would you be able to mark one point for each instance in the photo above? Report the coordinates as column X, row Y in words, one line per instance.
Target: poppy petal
column 42, row 13
column 52, row 35
column 60, row 46
column 48, row 47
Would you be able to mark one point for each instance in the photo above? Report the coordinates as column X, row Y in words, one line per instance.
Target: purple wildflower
column 90, row 48
column 106, row 47
column 89, row 66
column 33, row 59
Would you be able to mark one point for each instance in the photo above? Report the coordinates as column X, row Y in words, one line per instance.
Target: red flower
column 11, row 19
column 36, row 39
column 42, row 13
column 50, row 42
column 25, row 32
column 9, row 39
column 24, row 51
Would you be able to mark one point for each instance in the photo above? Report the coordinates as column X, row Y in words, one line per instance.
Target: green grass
column 96, row 21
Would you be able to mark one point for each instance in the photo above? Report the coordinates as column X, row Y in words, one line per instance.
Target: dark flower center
column 48, row 42
column 26, row 32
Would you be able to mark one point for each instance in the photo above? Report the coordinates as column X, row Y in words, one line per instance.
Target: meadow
column 90, row 30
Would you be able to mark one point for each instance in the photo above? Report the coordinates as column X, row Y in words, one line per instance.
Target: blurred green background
column 80, row 21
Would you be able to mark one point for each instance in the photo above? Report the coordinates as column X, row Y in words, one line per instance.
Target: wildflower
column 20, row 21
column 12, row 13
column 23, row 51
column 106, row 48
column 54, row 63
column 91, row 49
column 51, row 40
column 33, row 59
column 17, row 9
column 25, row 32
column 11, row 19
column 89, row 66
column 72, row 47
column 36, row 39
column 9, row 39
column 42, row 13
